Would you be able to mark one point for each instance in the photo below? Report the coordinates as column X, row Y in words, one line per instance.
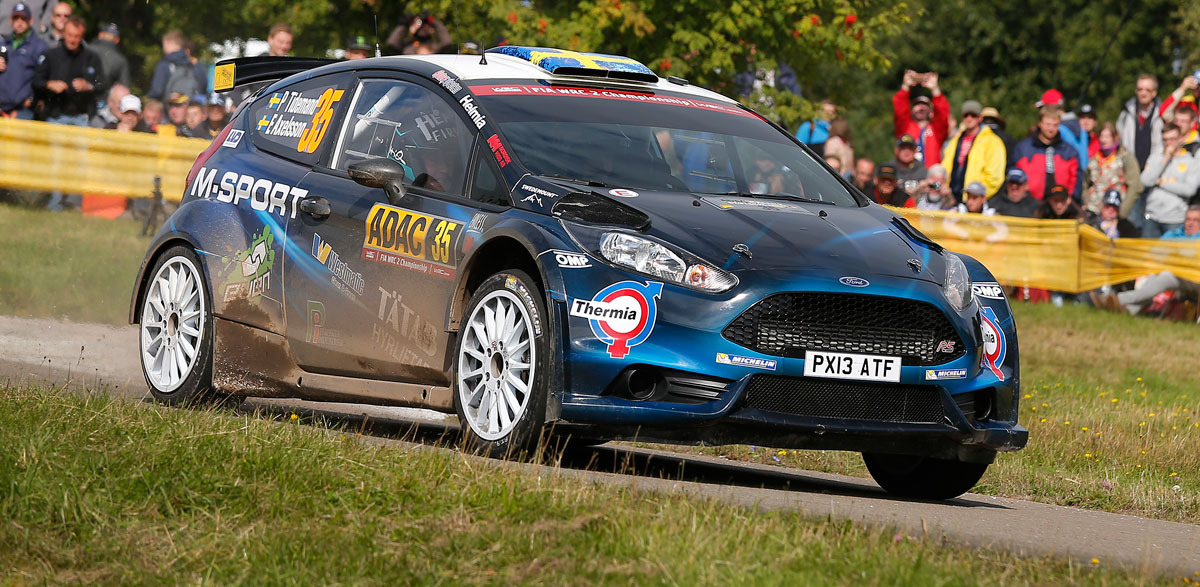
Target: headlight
column 958, row 283
column 653, row 258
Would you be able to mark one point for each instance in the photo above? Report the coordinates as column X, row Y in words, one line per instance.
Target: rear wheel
column 500, row 377
column 923, row 477
column 176, row 329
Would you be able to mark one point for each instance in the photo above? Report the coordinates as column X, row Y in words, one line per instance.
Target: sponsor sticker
column 477, row 222
column 262, row 194
column 610, row 94
column 731, row 203
column 621, row 315
column 318, row 327
column 988, row 289
column 740, row 361
column 250, row 270
column 940, row 374
column 234, row 138
column 342, row 276
column 444, row 79
column 401, row 331
column 468, row 104
column 514, row 284
column 623, row 193
column 995, row 347
column 854, row 281
column 499, row 151
column 536, row 194
column 413, row 241
column 945, row 346
column 570, row 260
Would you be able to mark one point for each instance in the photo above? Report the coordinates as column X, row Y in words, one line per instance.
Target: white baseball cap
column 131, row 102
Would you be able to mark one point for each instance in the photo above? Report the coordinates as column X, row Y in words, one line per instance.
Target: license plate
column 851, row 366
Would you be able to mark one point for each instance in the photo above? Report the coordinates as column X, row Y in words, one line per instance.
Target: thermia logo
column 621, row 315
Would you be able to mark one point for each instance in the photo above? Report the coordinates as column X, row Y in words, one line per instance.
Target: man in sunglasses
column 975, row 154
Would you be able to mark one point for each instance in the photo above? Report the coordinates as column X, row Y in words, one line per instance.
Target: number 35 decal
column 311, row 139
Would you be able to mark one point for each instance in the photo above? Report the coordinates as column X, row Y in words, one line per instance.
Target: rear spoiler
column 232, row 73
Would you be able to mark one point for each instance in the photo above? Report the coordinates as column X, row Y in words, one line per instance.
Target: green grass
column 1139, row 454
column 66, row 265
column 96, row 489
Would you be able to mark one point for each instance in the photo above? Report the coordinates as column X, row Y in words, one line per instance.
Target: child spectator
column 1109, row 219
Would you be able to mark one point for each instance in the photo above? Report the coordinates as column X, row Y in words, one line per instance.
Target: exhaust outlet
column 642, row 384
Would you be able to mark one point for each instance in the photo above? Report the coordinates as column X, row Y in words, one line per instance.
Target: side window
column 411, row 125
column 487, row 185
column 293, row 122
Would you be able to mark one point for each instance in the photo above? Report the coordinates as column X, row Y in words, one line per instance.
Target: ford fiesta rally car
column 539, row 238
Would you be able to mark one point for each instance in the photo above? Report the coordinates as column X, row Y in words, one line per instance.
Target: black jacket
column 116, row 66
column 1026, row 208
column 61, row 65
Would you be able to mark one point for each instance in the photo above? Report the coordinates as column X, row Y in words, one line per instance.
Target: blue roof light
column 561, row 62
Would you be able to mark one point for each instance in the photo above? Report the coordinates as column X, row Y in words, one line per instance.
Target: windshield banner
column 610, row 94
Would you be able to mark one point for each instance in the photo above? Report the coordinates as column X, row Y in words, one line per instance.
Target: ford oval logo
column 854, row 281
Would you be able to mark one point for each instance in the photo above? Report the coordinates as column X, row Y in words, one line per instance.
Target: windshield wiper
column 789, row 197
column 587, row 182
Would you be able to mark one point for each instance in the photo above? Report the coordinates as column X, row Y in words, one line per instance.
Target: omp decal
column 468, row 104
column 621, row 315
column 940, row 374
column 609, row 94
column 255, row 263
column 443, row 78
column 740, row 361
column 569, row 260
column 854, row 281
column 995, row 346
column 412, row 241
column 264, row 195
column 514, row 284
column 413, row 330
column 988, row 289
column 729, row 203
column 498, row 151
column 343, row 277
column 234, row 138
column 623, row 193
column 318, row 327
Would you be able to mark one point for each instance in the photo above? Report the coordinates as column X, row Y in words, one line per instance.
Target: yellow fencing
column 1060, row 255
column 46, row 157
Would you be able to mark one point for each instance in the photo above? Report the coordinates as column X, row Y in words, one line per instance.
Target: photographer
column 927, row 118
column 421, row 35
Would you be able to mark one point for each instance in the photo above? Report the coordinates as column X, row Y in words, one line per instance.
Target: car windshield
column 655, row 141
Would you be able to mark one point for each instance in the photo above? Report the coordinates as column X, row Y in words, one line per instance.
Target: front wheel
column 501, row 380
column 923, row 477
column 176, row 330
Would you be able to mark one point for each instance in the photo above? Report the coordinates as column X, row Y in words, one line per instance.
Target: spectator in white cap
column 131, row 116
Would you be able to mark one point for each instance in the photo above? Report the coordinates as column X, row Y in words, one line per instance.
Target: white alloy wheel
column 496, row 364
column 173, row 322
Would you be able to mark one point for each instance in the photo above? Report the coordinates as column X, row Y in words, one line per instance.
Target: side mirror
column 381, row 173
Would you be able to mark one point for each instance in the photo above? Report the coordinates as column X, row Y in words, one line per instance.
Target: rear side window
column 294, row 122
column 411, row 125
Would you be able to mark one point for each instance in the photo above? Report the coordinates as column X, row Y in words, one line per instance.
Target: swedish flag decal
column 265, row 121
column 571, row 62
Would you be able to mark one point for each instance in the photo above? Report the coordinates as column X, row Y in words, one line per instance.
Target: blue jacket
column 1073, row 134
column 162, row 74
column 811, row 134
column 16, row 83
column 1179, row 233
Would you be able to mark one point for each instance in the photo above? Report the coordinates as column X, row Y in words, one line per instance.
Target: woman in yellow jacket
column 974, row 154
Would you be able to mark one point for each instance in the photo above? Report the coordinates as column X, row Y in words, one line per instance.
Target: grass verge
column 1112, row 404
column 66, row 265
column 96, row 489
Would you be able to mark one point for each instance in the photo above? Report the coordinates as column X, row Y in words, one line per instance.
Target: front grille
column 823, row 398
column 788, row 324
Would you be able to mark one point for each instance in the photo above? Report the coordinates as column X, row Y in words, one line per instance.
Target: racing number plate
column 850, row 366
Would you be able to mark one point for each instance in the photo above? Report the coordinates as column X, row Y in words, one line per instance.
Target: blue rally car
column 539, row 240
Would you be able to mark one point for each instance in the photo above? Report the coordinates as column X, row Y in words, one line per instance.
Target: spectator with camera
column 19, row 58
column 1184, row 96
column 927, row 118
column 1014, row 199
column 1171, row 179
column 420, row 34
column 934, row 192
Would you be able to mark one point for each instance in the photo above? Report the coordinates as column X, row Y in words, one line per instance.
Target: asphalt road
column 65, row 353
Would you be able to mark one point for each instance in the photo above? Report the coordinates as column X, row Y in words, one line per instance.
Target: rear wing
column 234, row 73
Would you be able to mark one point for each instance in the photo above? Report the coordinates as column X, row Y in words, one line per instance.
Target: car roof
column 505, row 67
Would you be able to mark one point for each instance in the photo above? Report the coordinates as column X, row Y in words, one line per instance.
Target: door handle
column 315, row 206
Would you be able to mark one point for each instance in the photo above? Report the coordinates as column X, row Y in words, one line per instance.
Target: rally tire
column 923, row 477
column 176, row 329
column 501, row 382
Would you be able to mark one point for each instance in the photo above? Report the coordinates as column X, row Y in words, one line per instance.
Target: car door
column 370, row 294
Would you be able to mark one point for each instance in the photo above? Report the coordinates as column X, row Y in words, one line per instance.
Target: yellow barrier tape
column 1059, row 255
column 47, row 157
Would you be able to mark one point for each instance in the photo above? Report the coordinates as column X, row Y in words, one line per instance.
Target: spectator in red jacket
column 927, row 119
column 1047, row 159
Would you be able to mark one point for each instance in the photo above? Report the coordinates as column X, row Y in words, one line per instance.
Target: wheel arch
column 500, row 252
column 153, row 254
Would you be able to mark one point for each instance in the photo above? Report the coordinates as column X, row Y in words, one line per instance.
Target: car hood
column 782, row 234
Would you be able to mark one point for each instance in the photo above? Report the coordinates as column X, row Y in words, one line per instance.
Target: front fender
column 991, row 298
